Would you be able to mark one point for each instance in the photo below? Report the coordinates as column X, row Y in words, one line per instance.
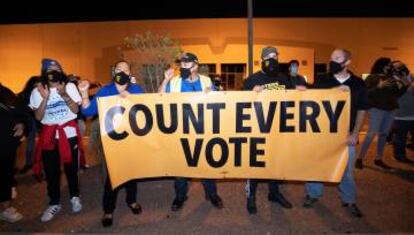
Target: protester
column 11, row 130
column 189, row 80
column 383, row 93
column 404, row 115
column 121, row 85
column 56, row 103
column 341, row 78
column 268, row 78
column 294, row 75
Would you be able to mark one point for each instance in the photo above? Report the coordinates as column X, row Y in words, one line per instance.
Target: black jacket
column 359, row 95
column 385, row 98
column 10, row 114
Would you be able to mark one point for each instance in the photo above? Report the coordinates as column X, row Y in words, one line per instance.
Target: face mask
column 185, row 73
column 335, row 67
column 294, row 70
column 55, row 76
column 122, row 78
column 270, row 66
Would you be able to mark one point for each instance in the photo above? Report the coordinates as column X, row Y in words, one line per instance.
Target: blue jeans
column 379, row 122
column 347, row 187
column 400, row 140
column 181, row 187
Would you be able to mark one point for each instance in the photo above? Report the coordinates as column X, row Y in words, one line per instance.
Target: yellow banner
column 288, row 135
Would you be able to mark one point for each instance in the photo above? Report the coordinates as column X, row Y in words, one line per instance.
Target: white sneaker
column 10, row 215
column 76, row 204
column 50, row 212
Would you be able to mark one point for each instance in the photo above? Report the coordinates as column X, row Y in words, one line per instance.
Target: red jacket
column 47, row 141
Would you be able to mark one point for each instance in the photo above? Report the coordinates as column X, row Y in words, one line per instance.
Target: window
column 232, row 76
column 207, row 69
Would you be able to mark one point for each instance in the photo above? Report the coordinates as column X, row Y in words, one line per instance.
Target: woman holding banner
column 122, row 86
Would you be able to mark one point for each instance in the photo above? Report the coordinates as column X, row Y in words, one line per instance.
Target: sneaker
column 13, row 193
column 251, row 205
column 381, row 164
column 352, row 207
column 279, row 198
column 309, row 201
column 50, row 212
column 10, row 215
column 359, row 164
column 76, row 204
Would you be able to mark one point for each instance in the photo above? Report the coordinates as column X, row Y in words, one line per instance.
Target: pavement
column 385, row 197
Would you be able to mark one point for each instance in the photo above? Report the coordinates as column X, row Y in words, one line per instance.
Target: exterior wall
column 89, row 49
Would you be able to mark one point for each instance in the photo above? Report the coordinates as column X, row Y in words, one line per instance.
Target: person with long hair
column 383, row 93
column 56, row 103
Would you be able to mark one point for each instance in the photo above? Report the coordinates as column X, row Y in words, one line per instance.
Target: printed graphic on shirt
column 56, row 109
column 274, row 86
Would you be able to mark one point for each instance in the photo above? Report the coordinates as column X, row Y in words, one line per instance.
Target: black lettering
column 192, row 158
column 197, row 122
column 109, row 125
column 216, row 115
column 284, row 116
column 133, row 119
column 254, row 152
column 311, row 118
column 240, row 117
column 265, row 125
column 173, row 116
column 237, row 149
column 333, row 115
column 224, row 152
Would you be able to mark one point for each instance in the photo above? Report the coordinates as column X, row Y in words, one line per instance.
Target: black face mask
column 270, row 67
column 122, row 78
column 335, row 67
column 55, row 76
column 185, row 73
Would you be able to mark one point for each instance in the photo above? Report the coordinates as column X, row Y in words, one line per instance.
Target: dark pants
column 403, row 128
column 51, row 164
column 252, row 186
column 7, row 159
column 181, row 187
column 109, row 196
column 31, row 140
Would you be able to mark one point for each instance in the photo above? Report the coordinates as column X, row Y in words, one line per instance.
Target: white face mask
column 294, row 69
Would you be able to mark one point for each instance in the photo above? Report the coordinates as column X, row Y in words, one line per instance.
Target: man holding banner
column 339, row 76
column 269, row 78
column 122, row 86
column 189, row 80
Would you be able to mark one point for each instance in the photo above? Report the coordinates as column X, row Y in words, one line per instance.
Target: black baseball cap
column 188, row 57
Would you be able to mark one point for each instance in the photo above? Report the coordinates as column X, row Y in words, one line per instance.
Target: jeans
column 347, row 187
column 379, row 122
column 181, row 187
column 400, row 139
